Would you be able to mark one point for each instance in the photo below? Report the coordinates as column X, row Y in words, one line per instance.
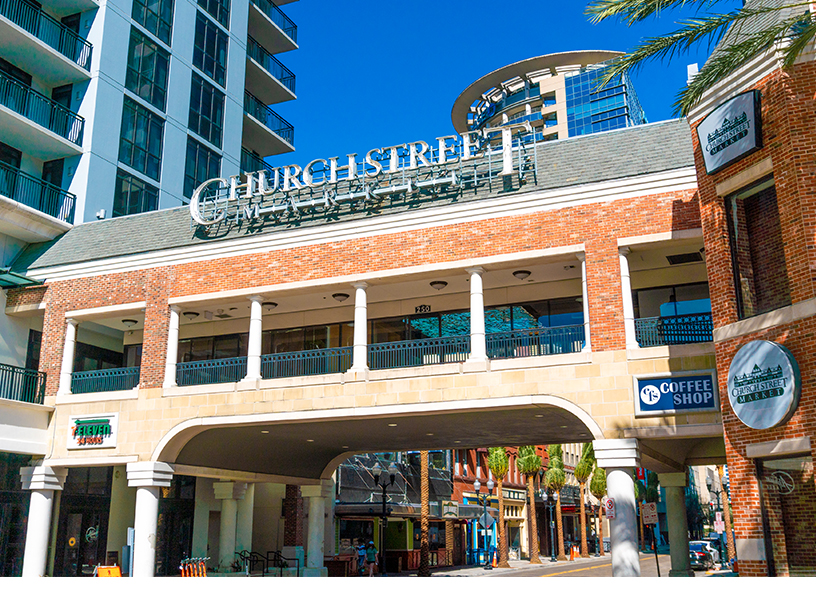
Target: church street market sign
column 764, row 384
column 731, row 131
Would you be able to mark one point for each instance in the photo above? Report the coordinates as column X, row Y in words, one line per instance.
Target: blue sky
column 373, row 74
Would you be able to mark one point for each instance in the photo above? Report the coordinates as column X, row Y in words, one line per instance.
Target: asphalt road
column 595, row 567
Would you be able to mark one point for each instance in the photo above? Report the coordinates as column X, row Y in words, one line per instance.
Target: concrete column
column 172, row 348
column 67, row 358
column 255, row 336
column 228, row 492
column 315, row 541
column 619, row 457
column 673, row 486
column 585, row 301
column 147, row 478
column 42, row 482
column 478, row 346
column 360, row 354
column 628, row 306
column 246, row 509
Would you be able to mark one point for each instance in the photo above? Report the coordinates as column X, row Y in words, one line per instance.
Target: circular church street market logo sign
column 764, row 384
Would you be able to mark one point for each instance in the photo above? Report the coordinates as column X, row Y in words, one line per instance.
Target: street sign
column 486, row 521
column 609, row 505
column 649, row 512
column 719, row 526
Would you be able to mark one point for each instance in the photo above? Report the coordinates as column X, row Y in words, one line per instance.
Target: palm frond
column 632, row 11
column 804, row 32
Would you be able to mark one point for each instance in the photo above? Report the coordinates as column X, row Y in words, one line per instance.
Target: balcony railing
column 105, row 380
column 306, row 362
column 49, row 30
column 267, row 116
column 36, row 193
column 415, row 353
column 219, row 370
column 272, row 65
column 251, row 163
column 671, row 331
column 23, row 385
column 278, row 17
column 42, row 110
column 535, row 342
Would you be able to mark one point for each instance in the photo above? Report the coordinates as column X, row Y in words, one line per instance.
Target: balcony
column 672, row 331
column 105, row 380
column 41, row 127
column 22, row 385
column 415, row 353
column 206, row 372
column 36, row 193
column 308, row 362
column 266, row 78
column 41, row 45
column 251, row 162
column 541, row 341
column 265, row 131
column 271, row 27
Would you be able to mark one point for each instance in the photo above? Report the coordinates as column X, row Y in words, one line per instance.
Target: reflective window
column 210, row 49
column 206, row 110
column 218, row 9
column 156, row 16
column 132, row 195
column 147, row 69
column 201, row 164
column 140, row 142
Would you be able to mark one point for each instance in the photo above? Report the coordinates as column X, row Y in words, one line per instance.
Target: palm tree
column 652, row 494
column 640, row 496
column 529, row 464
column 498, row 464
column 756, row 27
column 729, row 539
column 583, row 470
column 554, row 480
column 597, row 487
column 424, row 514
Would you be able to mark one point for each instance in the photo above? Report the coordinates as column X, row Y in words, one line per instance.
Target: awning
column 10, row 279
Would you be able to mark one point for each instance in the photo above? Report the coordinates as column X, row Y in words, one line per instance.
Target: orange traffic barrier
column 495, row 562
column 113, row 571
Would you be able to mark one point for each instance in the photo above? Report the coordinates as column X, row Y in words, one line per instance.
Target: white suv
column 715, row 555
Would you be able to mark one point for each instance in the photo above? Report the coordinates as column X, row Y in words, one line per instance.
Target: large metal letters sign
column 675, row 394
column 730, row 131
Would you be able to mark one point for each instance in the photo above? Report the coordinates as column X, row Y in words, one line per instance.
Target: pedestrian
column 361, row 558
column 371, row 557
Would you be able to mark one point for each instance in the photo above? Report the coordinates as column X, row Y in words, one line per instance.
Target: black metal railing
column 251, row 162
column 219, row 370
column 23, row 385
column 671, row 331
column 267, row 116
column 49, row 30
column 271, row 64
column 306, row 362
column 23, row 100
column 414, row 353
column 104, row 380
column 271, row 10
column 36, row 193
column 535, row 342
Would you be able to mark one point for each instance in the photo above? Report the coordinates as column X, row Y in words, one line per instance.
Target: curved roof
column 530, row 65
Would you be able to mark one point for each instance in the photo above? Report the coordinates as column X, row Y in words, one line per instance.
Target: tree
column 597, row 487
column 554, row 480
column 640, row 496
column 424, row 515
column 652, row 493
column 583, row 471
column 729, row 539
column 529, row 464
column 498, row 464
column 756, row 27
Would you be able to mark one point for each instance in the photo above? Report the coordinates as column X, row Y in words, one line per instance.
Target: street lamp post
column 717, row 492
column 590, row 509
column 392, row 475
column 550, row 500
column 482, row 499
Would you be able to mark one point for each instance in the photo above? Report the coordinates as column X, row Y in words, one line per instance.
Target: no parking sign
column 609, row 505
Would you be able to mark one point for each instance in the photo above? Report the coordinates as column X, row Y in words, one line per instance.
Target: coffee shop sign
column 253, row 187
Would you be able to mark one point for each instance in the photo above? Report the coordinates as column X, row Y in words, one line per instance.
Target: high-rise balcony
column 39, row 126
column 266, row 77
column 36, row 193
column 271, row 27
column 23, row 385
column 265, row 131
column 42, row 46
column 252, row 162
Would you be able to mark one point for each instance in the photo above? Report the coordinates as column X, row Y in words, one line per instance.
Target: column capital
column 673, row 479
column 229, row 490
column 475, row 270
column 359, row 285
column 71, row 321
column 256, row 298
column 176, row 308
column 43, row 477
column 624, row 250
column 149, row 474
column 580, row 256
column 617, row 453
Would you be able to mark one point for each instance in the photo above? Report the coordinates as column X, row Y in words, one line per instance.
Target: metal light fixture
column 191, row 314
column 439, row 285
column 129, row 322
column 522, row 274
column 482, row 499
column 269, row 305
column 340, row 296
column 376, row 470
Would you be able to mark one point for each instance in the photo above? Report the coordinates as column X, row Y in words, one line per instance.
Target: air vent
column 682, row 259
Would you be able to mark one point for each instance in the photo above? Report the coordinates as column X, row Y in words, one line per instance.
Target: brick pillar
column 293, row 517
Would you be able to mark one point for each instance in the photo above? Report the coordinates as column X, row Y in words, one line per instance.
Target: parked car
column 700, row 557
column 713, row 547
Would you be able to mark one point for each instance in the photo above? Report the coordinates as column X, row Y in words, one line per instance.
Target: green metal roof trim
column 587, row 159
column 9, row 279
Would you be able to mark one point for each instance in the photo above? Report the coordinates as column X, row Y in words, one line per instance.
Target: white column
column 585, row 301
column 67, row 358
column 619, row 457
column 42, row 482
column 316, row 526
column 628, row 306
column 674, row 488
column 255, row 337
column 172, row 347
column 360, row 356
column 228, row 492
column 147, row 478
column 243, row 530
column 478, row 347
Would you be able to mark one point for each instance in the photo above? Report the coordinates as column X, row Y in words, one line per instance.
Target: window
column 210, row 49
column 672, row 301
column 219, row 9
column 202, row 164
column 206, row 111
column 140, row 142
column 147, row 70
column 133, row 195
column 156, row 16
